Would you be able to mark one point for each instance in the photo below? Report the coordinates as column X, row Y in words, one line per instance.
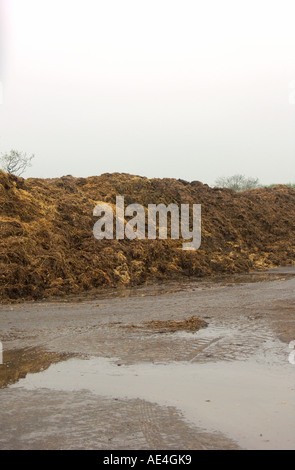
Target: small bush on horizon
column 237, row 182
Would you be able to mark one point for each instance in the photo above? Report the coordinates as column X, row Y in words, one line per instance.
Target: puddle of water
column 250, row 403
column 17, row 363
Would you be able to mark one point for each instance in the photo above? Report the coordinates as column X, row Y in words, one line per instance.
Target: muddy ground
column 74, row 377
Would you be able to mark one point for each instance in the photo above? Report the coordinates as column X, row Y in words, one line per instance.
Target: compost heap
column 48, row 248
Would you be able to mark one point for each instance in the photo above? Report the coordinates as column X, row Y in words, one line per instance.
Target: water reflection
column 17, row 363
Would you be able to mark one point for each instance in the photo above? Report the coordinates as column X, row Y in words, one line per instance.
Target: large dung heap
column 48, row 247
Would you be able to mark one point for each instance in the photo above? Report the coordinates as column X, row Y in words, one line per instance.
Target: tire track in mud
column 235, row 340
column 148, row 421
column 230, row 343
column 176, row 433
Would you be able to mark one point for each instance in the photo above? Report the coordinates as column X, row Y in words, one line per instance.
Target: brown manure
column 47, row 247
column 191, row 324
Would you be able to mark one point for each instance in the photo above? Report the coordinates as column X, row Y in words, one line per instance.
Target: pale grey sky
column 160, row 88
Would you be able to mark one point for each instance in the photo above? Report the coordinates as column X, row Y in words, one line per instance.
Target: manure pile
column 48, row 248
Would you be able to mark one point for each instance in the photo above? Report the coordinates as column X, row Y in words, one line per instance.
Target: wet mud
column 70, row 380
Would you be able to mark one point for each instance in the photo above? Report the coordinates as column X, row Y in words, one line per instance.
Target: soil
column 47, row 247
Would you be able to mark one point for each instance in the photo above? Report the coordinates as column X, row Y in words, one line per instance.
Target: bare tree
column 15, row 162
column 237, row 182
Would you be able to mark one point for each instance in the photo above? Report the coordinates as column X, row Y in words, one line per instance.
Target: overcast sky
column 160, row 88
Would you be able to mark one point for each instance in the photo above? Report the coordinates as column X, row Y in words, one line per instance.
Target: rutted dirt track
column 47, row 247
column 111, row 387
